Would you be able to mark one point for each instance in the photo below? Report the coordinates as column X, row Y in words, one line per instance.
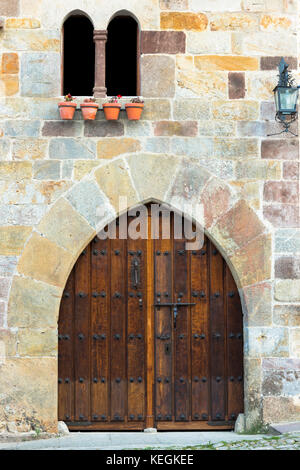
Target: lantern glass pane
column 287, row 100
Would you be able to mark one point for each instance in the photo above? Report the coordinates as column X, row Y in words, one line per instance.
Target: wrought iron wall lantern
column 286, row 96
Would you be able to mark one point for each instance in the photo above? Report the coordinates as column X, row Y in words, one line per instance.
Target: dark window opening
column 122, row 57
column 79, row 57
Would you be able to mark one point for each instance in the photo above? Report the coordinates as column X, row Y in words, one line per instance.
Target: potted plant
column 67, row 107
column 89, row 109
column 134, row 108
column 112, row 108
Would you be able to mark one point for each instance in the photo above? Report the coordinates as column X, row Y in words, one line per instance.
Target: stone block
column 257, row 300
column 67, row 169
column 196, row 147
column 287, row 290
column 250, row 191
column 281, row 191
column 116, row 175
column 34, row 192
column 163, row 42
column 32, row 40
column 62, row 129
column 295, row 343
column 8, row 343
column 191, row 109
column 157, row 145
column 37, row 342
column 237, row 227
column 281, row 383
column 236, row 85
column 13, row 239
column 258, row 170
column 256, row 128
column 8, row 265
column 280, row 149
column 35, row 380
column 170, row 128
column 271, row 63
column 138, row 129
column 189, row 183
column 253, row 262
column 42, row 108
column 156, row 110
column 272, row 44
column 5, row 150
column 183, row 21
column 191, row 82
column 40, row 74
column 287, row 315
column 158, row 76
column 214, row 5
column 208, row 41
column 9, row 85
column 22, row 128
column 111, row 147
column 216, row 198
column 233, row 22
column 29, row 149
column 46, row 170
column 22, row 23
column 267, row 111
column 152, row 174
column 235, row 110
column 10, row 63
column 65, row 227
column 227, row 62
column 276, row 23
column 235, row 148
column 83, row 167
column 281, row 409
column 267, row 342
column 45, row 261
column 90, row 202
column 282, row 215
column 287, row 241
column 21, row 214
column 223, row 169
column 260, row 85
column 173, row 4
column 291, row 171
column 103, row 129
column 9, row 7
column 33, row 304
column 71, row 149
column 5, row 283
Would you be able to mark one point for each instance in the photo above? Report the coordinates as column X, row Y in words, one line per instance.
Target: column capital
column 100, row 35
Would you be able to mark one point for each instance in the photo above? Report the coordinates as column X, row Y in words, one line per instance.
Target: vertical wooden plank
column 65, row 353
column 234, row 347
column 99, row 329
column 118, row 347
column 200, row 333
column 81, row 337
column 181, row 333
column 163, row 253
column 150, row 361
column 217, row 326
column 137, row 297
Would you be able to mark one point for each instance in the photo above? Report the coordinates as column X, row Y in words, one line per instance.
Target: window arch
column 78, row 56
column 122, row 56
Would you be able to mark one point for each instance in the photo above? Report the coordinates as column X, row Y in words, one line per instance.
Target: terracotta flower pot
column 89, row 110
column 67, row 109
column 134, row 110
column 111, row 111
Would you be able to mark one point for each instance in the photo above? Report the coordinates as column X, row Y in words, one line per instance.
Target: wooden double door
column 150, row 335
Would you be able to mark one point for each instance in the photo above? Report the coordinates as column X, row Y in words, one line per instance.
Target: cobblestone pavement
column 284, row 442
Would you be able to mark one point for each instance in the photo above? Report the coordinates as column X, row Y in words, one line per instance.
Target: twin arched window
column 120, row 59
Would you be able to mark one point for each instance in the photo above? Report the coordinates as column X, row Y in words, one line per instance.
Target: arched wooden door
column 150, row 335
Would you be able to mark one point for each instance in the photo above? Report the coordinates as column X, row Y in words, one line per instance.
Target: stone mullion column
column 100, row 38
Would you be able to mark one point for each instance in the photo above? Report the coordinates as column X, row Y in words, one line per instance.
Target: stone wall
column 207, row 76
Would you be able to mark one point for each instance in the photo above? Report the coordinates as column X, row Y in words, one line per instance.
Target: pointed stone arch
column 74, row 219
